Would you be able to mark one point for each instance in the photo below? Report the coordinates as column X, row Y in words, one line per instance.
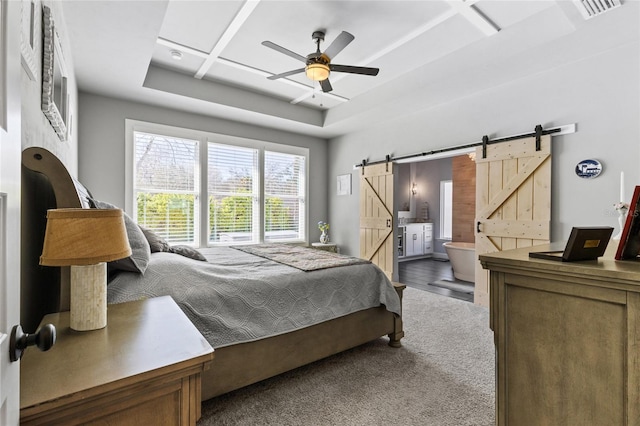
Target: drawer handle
column 478, row 227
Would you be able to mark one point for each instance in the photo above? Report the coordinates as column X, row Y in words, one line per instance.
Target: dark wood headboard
column 46, row 184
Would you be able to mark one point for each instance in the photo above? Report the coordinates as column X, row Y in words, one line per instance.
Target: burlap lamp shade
column 85, row 239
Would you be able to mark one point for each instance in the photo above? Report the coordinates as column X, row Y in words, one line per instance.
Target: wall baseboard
column 437, row 256
column 440, row 256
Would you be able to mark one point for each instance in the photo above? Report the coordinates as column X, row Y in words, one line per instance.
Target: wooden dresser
column 567, row 339
column 144, row 368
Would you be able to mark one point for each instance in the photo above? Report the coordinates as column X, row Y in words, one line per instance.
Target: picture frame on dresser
column 629, row 246
column 55, row 96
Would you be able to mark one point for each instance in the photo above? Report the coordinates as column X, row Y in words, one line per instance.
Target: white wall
column 102, row 147
column 601, row 94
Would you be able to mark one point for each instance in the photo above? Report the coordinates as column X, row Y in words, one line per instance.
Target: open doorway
column 436, row 205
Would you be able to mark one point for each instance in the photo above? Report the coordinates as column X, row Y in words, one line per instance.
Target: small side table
column 143, row 368
column 333, row 248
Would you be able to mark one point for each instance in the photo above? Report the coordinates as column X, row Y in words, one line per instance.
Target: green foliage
column 172, row 215
column 169, row 215
column 230, row 214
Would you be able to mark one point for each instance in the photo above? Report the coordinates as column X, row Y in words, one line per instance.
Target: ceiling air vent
column 592, row 8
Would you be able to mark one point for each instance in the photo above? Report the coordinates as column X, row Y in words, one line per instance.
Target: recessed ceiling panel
column 443, row 39
column 198, row 24
column 507, row 13
column 290, row 24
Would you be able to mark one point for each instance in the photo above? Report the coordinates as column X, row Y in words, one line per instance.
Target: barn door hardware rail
column 537, row 133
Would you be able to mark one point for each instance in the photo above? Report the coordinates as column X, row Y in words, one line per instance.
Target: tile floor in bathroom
column 420, row 272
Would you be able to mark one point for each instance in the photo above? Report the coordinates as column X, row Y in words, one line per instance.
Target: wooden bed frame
column 47, row 184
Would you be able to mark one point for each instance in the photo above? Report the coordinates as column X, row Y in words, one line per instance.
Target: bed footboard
column 243, row 364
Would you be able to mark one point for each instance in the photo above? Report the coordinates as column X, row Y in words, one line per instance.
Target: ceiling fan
column 318, row 64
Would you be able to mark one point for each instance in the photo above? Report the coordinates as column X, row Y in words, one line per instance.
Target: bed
column 301, row 304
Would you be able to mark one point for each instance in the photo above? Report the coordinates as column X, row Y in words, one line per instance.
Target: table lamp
column 85, row 239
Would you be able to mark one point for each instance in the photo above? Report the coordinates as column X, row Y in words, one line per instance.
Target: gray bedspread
column 238, row 297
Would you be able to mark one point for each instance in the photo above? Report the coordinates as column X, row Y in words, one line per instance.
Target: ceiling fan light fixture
column 317, row 72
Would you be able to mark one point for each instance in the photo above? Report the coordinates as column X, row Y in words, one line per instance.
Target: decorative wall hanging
column 55, row 97
column 30, row 36
column 588, row 169
column 344, row 184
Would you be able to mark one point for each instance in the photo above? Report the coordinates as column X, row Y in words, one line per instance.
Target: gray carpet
column 461, row 286
column 443, row 375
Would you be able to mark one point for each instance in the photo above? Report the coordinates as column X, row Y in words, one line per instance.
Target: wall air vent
column 593, row 8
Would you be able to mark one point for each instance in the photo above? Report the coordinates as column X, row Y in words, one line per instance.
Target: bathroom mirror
column 54, row 78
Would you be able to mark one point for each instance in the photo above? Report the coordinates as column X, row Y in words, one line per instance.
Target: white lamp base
column 88, row 297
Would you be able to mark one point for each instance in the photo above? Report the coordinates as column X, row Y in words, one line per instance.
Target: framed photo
column 629, row 246
column 344, row 184
column 30, row 36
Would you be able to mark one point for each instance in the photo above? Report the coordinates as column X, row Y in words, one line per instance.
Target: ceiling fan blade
column 354, row 70
column 326, row 86
column 285, row 51
column 343, row 39
column 285, row 74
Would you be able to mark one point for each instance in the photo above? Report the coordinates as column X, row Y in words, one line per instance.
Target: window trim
column 204, row 138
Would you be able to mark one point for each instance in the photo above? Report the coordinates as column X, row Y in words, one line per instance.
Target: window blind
column 284, row 189
column 166, row 184
column 233, row 193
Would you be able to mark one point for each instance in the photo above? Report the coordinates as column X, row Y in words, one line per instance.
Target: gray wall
column 428, row 177
column 101, row 150
column 599, row 93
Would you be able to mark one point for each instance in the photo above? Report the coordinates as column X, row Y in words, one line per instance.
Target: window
column 253, row 191
column 284, row 189
column 446, row 209
column 166, row 186
column 233, row 193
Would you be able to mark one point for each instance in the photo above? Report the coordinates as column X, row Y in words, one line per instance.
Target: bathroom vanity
column 567, row 337
column 415, row 239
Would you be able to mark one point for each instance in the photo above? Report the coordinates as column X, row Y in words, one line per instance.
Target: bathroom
column 420, row 188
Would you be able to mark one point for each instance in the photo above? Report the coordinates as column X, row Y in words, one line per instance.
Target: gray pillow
column 187, row 251
column 140, row 250
column 156, row 242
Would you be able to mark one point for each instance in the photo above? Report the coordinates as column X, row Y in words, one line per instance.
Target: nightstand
column 143, row 368
column 333, row 248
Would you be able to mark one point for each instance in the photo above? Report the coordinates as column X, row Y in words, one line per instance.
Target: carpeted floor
column 443, row 375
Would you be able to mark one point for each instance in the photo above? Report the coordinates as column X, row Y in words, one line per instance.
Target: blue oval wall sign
column 588, row 169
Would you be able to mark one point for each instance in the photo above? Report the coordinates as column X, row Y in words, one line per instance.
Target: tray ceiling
column 427, row 51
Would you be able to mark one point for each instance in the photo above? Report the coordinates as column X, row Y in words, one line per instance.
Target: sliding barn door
column 513, row 200
column 376, row 216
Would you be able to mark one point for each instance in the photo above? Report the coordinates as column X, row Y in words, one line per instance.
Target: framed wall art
column 344, row 184
column 30, row 36
column 54, row 78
